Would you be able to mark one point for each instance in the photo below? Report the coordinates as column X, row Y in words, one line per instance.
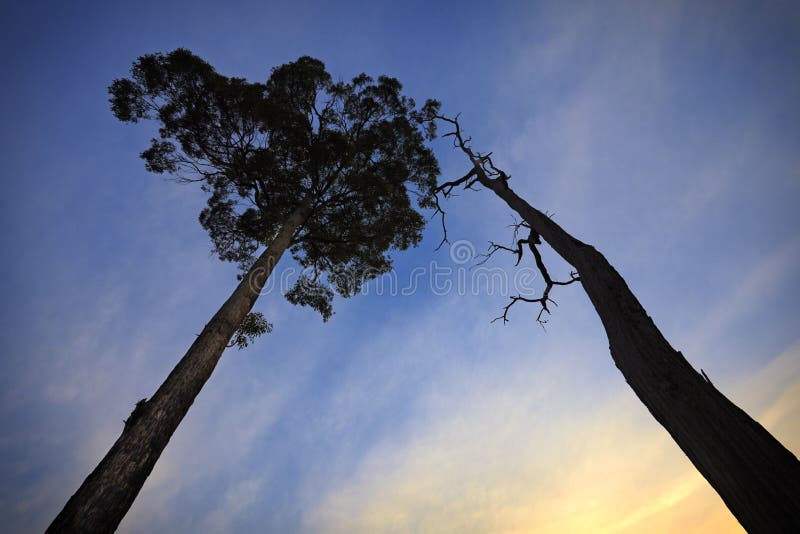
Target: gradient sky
column 667, row 134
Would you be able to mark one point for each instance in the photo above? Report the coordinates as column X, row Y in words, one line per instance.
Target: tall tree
column 323, row 169
column 756, row 476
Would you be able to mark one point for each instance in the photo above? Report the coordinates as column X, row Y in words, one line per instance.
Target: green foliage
column 253, row 325
column 355, row 152
column 310, row 292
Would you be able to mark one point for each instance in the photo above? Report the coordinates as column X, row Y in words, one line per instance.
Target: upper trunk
column 756, row 476
column 108, row 492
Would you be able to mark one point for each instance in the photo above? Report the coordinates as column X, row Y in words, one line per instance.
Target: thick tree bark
column 108, row 492
column 756, row 476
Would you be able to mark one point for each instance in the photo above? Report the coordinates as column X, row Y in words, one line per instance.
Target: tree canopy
column 353, row 152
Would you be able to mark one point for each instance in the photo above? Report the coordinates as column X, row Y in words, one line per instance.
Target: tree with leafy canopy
column 324, row 169
column 756, row 476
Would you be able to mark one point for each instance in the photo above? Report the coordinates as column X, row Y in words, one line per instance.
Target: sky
column 663, row 133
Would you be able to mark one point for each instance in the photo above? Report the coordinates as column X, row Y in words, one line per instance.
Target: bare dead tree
column 756, row 476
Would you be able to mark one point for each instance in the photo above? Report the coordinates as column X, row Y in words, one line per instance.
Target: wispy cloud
column 496, row 464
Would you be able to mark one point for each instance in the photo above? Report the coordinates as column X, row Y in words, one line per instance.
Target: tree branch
column 485, row 171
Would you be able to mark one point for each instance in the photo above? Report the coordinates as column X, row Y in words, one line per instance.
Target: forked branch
column 531, row 241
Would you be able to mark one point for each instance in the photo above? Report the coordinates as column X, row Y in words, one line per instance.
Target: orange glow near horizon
column 622, row 473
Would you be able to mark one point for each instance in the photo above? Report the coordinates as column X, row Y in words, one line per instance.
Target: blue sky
column 666, row 135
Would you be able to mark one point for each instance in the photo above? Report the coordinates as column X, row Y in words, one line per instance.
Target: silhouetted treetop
column 351, row 153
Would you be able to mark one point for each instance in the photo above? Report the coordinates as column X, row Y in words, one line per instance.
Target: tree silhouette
column 756, row 476
column 323, row 169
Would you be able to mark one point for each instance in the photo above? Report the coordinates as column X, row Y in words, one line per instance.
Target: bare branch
column 542, row 300
column 446, row 188
column 439, row 211
column 484, row 170
column 494, row 247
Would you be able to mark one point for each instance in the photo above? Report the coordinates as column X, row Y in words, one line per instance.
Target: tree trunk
column 756, row 476
column 108, row 492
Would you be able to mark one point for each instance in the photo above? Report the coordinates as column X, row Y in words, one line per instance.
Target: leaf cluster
column 252, row 326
